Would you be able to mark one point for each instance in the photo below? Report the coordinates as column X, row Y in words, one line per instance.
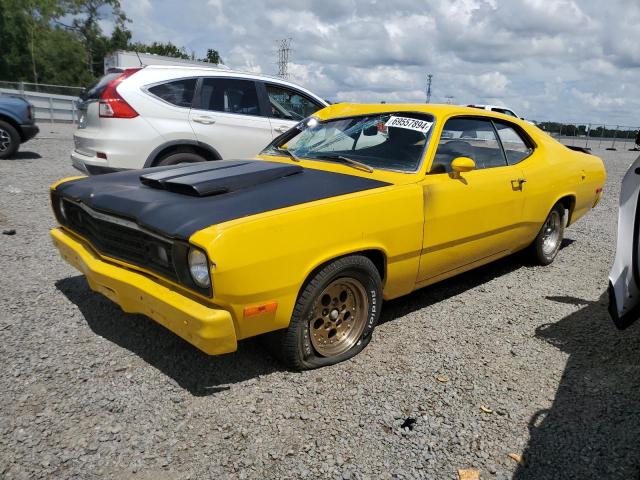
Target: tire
column 547, row 244
column 342, row 301
column 9, row 140
column 180, row 157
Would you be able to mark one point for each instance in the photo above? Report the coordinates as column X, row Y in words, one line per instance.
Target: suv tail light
column 112, row 105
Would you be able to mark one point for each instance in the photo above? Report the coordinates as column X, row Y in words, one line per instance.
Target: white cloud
column 548, row 59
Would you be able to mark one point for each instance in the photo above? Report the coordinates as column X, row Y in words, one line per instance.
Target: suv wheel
column 9, row 140
column 180, row 157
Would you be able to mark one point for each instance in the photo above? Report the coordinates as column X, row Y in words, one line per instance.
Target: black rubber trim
column 179, row 216
column 98, row 170
column 29, row 131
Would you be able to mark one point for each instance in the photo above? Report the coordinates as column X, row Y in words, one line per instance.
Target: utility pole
column 429, row 77
column 284, row 47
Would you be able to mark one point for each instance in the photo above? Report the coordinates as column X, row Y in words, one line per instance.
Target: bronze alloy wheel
column 339, row 317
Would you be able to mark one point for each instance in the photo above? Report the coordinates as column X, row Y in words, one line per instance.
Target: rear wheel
column 334, row 317
column 547, row 244
column 180, row 157
column 9, row 140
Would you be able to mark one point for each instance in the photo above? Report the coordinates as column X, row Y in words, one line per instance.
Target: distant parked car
column 165, row 115
column 624, row 278
column 495, row 108
column 17, row 124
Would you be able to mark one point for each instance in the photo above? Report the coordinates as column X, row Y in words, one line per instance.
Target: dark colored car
column 17, row 124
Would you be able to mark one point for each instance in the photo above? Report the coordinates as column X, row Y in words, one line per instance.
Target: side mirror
column 371, row 131
column 462, row 164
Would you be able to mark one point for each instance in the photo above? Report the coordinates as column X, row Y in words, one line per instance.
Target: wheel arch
column 12, row 121
column 174, row 146
column 377, row 256
column 569, row 202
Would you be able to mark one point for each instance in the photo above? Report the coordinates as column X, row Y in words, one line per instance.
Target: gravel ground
column 90, row 392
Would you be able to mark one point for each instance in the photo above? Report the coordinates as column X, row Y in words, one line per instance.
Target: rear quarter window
column 177, row 92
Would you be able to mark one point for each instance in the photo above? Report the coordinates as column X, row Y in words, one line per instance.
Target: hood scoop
column 217, row 177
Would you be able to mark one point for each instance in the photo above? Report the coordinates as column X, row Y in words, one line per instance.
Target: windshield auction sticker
column 409, row 123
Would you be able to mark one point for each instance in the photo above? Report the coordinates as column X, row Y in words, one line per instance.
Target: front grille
column 119, row 241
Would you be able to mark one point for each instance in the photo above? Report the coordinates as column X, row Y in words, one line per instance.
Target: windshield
column 389, row 141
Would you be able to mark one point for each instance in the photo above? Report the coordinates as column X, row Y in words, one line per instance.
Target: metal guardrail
column 47, row 106
column 24, row 87
column 592, row 135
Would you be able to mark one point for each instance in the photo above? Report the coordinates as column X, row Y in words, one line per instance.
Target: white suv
column 164, row 115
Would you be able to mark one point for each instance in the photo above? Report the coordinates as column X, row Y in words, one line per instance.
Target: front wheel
column 547, row 244
column 335, row 315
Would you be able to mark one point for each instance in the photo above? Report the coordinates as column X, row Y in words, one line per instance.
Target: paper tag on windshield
column 409, row 123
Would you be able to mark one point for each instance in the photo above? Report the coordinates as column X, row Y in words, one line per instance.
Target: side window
column 229, row 95
column 177, row 92
column 468, row 137
column 289, row 104
column 514, row 146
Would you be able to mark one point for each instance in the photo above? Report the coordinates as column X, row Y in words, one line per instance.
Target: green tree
column 86, row 15
column 212, row 57
column 167, row 49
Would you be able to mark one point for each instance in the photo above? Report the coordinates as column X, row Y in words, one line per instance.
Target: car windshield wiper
column 349, row 161
column 287, row 152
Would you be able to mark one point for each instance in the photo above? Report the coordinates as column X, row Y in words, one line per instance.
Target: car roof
column 438, row 110
column 228, row 72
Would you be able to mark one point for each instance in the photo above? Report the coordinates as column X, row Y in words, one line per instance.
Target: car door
column 473, row 217
column 287, row 107
column 227, row 116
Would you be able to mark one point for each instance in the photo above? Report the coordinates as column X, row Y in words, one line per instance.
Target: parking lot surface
column 513, row 370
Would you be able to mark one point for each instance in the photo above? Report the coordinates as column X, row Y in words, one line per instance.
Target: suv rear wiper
column 349, row 161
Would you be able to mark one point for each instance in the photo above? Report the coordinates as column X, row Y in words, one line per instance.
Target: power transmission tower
column 429, row 77
column 284, row 47
column 449, row 98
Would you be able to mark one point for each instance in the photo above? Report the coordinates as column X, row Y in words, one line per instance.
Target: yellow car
column 356, row 204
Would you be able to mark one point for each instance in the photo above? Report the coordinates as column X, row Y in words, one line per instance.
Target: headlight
column 199, row 268
column 63, row 212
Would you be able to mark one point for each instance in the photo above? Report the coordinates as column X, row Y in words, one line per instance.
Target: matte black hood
column 179, row 200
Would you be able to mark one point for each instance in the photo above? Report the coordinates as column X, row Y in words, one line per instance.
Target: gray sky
column 565, row 60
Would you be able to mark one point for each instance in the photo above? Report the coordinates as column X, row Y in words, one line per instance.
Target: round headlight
column 63, row 212
column 199, row 268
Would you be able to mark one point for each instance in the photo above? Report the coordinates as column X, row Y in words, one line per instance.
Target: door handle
column 281, row 128
column 204, row 120
column 517, row 183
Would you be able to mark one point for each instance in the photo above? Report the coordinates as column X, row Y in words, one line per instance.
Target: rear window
column 176, row 92
column 94, row 92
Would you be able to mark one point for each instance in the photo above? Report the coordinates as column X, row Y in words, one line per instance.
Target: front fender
column 624, row 278
column 268, row 256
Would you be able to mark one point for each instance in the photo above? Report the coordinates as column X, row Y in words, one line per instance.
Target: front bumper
column 209, row 329
column 29, row 131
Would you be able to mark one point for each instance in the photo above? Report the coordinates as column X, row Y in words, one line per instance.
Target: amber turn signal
column 260, row 309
